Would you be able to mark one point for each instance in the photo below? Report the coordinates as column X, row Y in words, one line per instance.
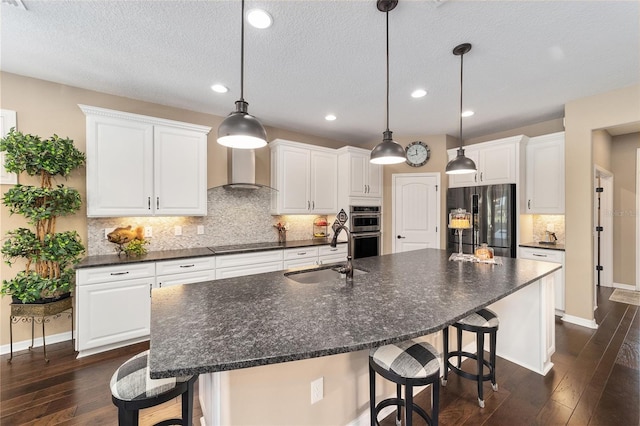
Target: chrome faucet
column 347, row 269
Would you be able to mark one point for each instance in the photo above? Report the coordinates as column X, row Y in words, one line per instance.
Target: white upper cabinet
column 144, row 166
column 360, row 177
column 497, row 162
column 545, row 174
column 305, row 177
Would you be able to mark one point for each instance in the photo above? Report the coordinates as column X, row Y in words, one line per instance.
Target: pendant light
column 461, row 164
column 388, row 151
column 240, row 129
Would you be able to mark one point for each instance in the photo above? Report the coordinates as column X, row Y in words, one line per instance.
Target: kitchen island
column 290, row 332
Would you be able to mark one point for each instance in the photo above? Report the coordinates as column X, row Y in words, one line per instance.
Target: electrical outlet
column 177, row 230
column 317, row 390
column 148, row 232
column 200, row 229
column 107, row 231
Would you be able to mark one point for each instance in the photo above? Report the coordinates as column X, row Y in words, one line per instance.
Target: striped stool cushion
column 482, row 318
column 409, row 359
column 132, row 382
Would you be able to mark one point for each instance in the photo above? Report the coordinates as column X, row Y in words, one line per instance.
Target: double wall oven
column 365, row 225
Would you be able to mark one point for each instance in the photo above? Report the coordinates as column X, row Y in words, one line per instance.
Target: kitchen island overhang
column 267, row 318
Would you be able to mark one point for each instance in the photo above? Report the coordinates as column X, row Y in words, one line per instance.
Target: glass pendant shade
column 242, row 130
column 388, row 151
column 460, row 165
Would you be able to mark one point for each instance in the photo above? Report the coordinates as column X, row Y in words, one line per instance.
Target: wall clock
column 418, row 153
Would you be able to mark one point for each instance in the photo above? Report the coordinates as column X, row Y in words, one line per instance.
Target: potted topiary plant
column 48, row 256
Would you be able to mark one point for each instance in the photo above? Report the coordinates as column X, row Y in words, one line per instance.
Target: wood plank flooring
column 595, row 381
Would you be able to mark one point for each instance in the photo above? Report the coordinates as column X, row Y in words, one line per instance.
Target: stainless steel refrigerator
column 493, row 209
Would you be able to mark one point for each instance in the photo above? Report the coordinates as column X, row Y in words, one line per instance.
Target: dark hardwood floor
column 595, row 381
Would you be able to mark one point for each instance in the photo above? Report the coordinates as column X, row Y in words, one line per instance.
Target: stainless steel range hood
column 241, row 170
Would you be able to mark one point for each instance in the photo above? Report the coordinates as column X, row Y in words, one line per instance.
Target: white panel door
column 293, row 179
column 416, row 208
column 497, row 164
column 180, row 177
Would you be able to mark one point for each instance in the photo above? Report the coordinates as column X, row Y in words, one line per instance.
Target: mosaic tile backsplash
column 234, row 216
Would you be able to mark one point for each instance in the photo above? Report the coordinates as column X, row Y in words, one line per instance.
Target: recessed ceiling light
column 219, row 88
column 259, row 18
column 330, row 117
column 467, row 113
column 418, row 93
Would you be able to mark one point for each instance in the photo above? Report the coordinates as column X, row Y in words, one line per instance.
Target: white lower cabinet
column 113, row 306
column 238, row 265
column 328, row 254
column 553, row 256
column 299, row 257
column 185, row 271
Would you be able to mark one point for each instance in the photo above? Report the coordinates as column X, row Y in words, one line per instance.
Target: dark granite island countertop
column 267, row 318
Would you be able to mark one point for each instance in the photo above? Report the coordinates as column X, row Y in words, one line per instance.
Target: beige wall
column 623, row 165
column 602, row 149
column 45, row 108
column 582, row 116
column 537, row 129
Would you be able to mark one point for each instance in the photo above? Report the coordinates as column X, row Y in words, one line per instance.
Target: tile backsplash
column 234, row 216
column 541, row 223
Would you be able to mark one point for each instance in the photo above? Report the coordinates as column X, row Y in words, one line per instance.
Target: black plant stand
column 40, row 313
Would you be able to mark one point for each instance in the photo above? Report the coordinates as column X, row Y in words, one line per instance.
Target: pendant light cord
column 387, row 13
column 461, row 66
column 242, row 55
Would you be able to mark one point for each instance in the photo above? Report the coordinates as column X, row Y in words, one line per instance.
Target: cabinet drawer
column 224, row 261
column 298, row 263
column 251, row 269
column 340, row 249
column 191, row 264
column 169, row 280
column 300, row 253
column 107, row 274
column 554, row 256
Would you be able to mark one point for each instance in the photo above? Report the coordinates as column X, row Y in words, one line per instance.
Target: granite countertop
column 155, row 256
column 543, row 246
column 267, row 318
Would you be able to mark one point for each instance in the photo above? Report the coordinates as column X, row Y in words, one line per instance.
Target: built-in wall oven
column 365, row 225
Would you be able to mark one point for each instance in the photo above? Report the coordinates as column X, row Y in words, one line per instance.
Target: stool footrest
column 465, row 374
column 401, row 402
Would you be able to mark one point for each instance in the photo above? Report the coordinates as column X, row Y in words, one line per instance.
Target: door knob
column 400, row 236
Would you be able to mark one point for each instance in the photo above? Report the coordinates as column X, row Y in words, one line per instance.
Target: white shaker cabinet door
column 545, row 174
column 324, row 182
column 113, row 313
column 119, row 167
column 180, row 176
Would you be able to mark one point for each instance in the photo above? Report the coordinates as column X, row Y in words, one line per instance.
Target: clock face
column 417, row 154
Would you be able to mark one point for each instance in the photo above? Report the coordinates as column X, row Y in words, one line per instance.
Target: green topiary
column 49, row 255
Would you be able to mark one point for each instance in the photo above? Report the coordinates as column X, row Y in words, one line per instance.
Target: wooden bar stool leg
column 480, row 356
column 459, row 346
column 492, row 345
column 408, row 405
column 372, row 396
column 399, row 406
column 445, row 359
column 435, row 403
column 187, row 405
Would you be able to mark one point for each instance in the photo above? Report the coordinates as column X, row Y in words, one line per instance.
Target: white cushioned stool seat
column 410, row 359
column 482, row 318
column 410, row 363
column 133, row 389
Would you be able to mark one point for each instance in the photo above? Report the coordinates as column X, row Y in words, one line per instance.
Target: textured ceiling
column 528, row 59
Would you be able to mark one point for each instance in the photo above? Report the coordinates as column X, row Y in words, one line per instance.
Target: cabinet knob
column 187, row 266
column 481, row 176
column 148, row 203
column 401, row 237
column 157, row 202
column 119, row 273
column 529, row 204
column 308, row 205
column 313, row 205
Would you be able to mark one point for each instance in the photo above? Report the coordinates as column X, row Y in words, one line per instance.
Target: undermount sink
column 318, row 275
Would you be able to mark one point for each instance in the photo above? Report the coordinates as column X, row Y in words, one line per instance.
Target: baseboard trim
column 580, row 321
column 624, row 286
column 37, row 342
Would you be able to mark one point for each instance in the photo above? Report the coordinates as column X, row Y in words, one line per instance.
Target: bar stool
column 481, row 322
column 409, row 363
column 132, row 390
